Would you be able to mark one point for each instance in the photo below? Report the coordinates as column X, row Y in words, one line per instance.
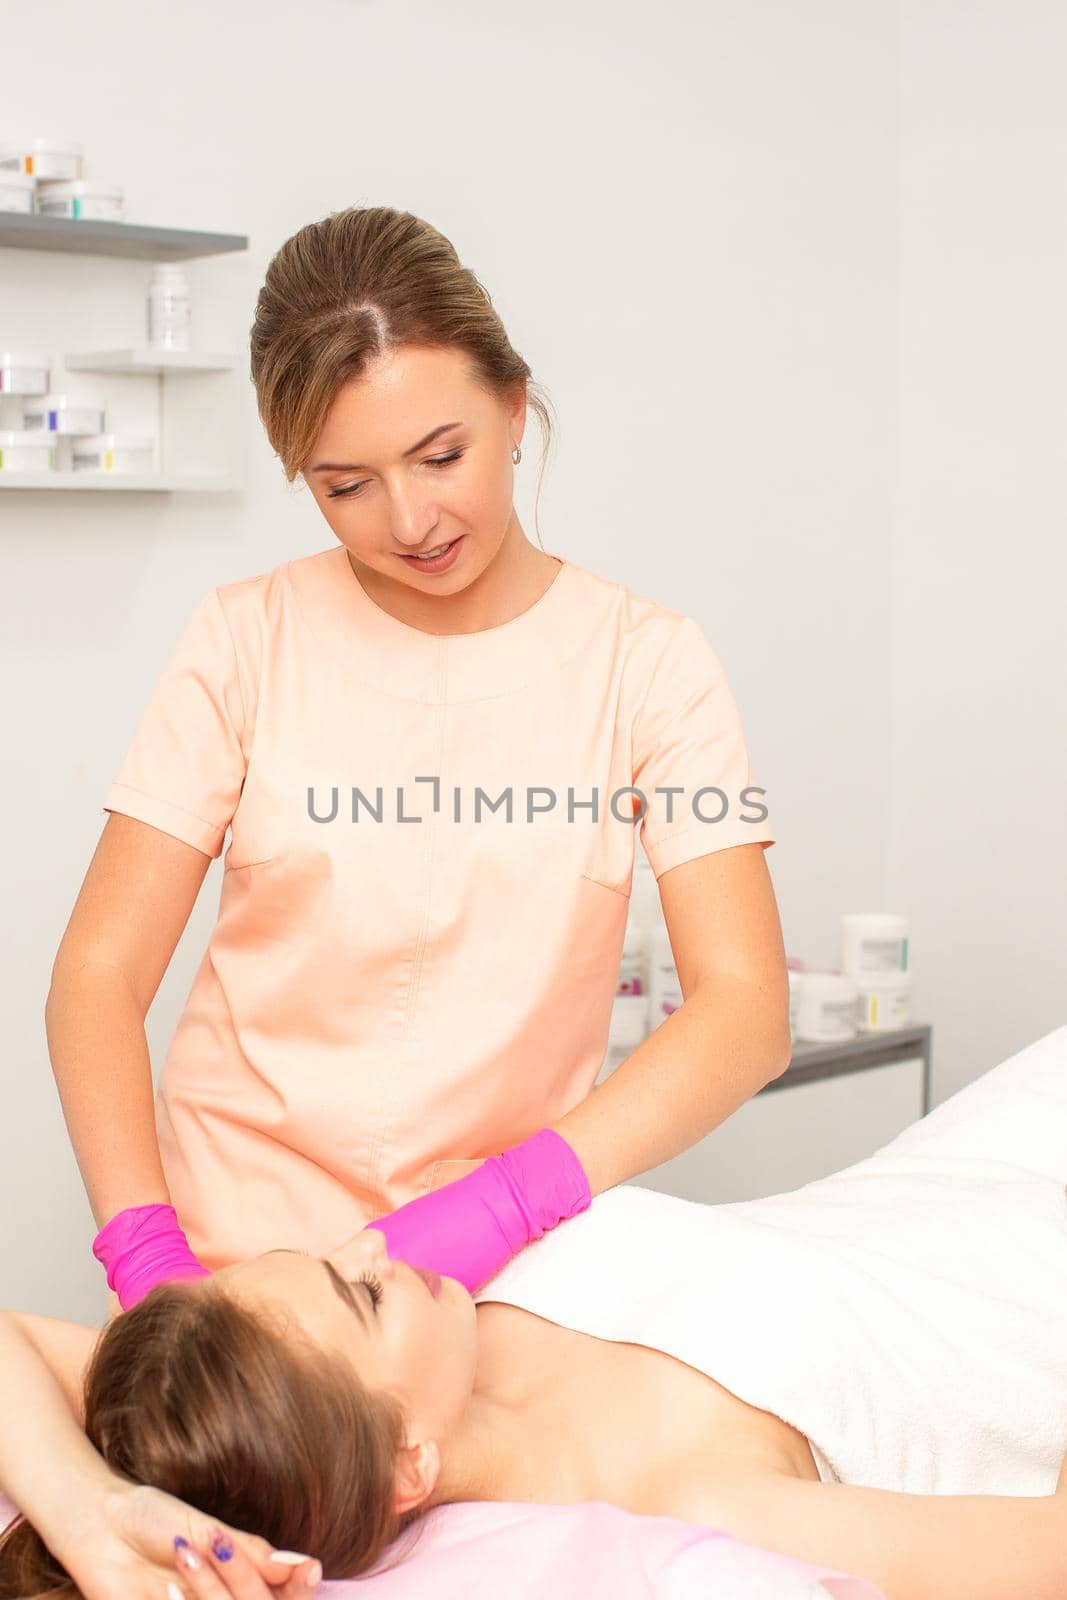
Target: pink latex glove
column 143, row 1246
column 470, row 1228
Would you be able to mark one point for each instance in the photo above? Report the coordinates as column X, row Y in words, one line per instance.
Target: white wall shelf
column 144, row 481
column 148, row 362
column 136, row 241
column 192, row 408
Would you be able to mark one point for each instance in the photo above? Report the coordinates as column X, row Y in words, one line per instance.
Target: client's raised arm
column 83, row 1523
column 47, row 1465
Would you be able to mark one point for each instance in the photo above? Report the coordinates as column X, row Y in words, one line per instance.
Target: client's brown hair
column 211, row 1401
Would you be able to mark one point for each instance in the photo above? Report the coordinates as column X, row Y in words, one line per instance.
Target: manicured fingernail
column 174, row 1591
column 314, row 1575
column 187, row 1557
column 289, row 1558
column 221, row 1547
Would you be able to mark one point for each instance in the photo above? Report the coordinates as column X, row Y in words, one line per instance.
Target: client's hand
column 125, row 1551
column 471, row 1228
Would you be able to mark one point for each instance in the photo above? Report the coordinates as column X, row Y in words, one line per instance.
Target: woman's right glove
column 143, row 1246
column 471, row 1227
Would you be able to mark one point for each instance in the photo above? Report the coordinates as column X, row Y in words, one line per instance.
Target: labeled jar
column 631, row 963
column 796, row 983
column 169, row 308
column 626, row 1030
column 664, row 986
column 25, row 452
column 58, row 413
column 884, row 1001
column 24, row 372
column 43, row 158
column 873, row 941
column 16, row 192
column 112, row 452
column 826, row 1009
column 86, row 199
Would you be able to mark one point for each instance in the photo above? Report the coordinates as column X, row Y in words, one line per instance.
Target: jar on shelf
column 43, row 158
column 24, row 372
column 626, row 1030
column 169, row 308
column 826, row 1008
column 631, row 979
column 84, row 199
column 873, row 941
column 16, row 192
column 22, row 451
column 884, row 1001
column 112, row 452
column 664, row 985
column 60, row 413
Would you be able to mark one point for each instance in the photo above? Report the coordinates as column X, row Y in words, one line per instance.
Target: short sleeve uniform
column 425, row 892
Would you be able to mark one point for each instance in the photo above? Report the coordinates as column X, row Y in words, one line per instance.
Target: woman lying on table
column 787, row 1370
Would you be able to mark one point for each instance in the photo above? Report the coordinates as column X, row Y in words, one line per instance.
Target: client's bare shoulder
column 643, row 1425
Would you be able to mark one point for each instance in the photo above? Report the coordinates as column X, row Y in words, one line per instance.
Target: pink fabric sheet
column 589, row 1551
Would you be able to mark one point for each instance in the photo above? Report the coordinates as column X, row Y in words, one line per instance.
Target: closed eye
column 345, row 1290
column 374, row 1288
column 354, row 488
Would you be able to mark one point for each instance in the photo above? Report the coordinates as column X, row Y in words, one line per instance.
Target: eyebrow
column 350, row 466
column 344, row 1290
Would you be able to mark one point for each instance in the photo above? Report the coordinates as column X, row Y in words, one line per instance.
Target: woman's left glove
column 471, row 1228
column 143, row 1246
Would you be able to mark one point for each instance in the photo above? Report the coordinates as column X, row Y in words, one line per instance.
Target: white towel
column 908, row 1314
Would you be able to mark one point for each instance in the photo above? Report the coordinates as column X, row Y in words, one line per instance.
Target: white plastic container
column 43, row 158
column 17, row 191
column 873, row 941
column 85, row 199
column 24, row 372
column 796, row 983
column 645, row 911
column 112, row 452
column 24, row 452
column 627, row 1029
column 632, row 963
column 664, row 988
column 884, row 1001
column 169, row 308
column 826, row 1012
column 58, row 413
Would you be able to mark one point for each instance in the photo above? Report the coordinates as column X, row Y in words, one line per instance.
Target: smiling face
column 419, row 1348
column 413, row 455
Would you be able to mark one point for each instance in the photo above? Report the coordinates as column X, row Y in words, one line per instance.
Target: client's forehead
column 262, row 1268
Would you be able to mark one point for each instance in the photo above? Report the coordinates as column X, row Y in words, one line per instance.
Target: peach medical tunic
column 408, row 973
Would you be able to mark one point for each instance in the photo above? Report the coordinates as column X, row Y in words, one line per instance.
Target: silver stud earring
column 516, row 454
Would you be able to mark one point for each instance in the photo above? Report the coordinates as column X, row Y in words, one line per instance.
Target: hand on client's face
column 402, row 1332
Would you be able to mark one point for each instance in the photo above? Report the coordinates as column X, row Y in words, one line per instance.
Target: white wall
column 694, row 225
column 978, row 845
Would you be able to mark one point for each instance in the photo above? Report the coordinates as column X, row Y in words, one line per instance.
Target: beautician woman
column 433, row 772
